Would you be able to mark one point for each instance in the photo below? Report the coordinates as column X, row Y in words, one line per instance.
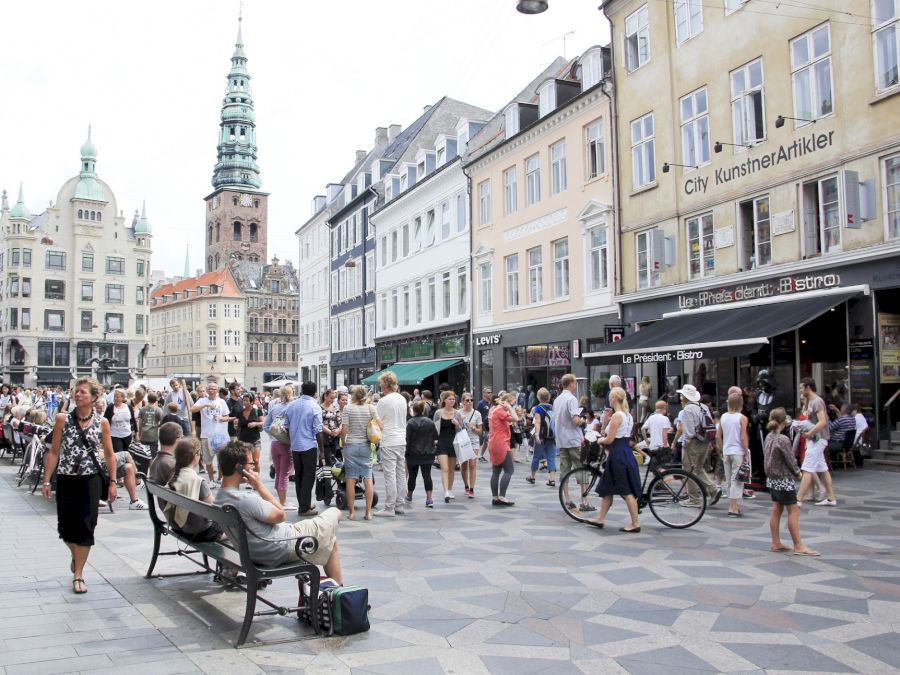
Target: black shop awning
column 732, row 331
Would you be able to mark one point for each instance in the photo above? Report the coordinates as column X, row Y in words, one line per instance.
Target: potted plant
column 599, row 389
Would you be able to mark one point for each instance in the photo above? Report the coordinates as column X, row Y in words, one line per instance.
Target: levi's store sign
column 764, row 289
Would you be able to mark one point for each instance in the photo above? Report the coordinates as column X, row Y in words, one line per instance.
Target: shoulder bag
column 92, row 453
column 373, row 431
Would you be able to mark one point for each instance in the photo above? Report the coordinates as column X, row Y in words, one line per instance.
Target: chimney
column 393, row 132
column 426, row 108
column 360, row 155
column 381, row 136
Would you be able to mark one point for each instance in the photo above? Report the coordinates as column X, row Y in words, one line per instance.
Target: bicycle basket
column 590, row 452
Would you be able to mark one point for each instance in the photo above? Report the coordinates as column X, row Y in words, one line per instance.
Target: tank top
column 731, row 434
column 625, row 425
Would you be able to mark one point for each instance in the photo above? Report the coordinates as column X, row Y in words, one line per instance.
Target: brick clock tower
column 236, row 210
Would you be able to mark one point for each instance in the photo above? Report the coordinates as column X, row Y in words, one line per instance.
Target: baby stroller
column 332, row 480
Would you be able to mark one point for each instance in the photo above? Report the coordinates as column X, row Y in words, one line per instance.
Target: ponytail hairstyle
column 776, row 418
column 185, row 451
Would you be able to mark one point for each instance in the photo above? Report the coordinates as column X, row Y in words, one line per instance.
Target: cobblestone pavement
column 467, row 588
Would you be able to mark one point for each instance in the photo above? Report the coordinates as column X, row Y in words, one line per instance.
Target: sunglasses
column 466, row 399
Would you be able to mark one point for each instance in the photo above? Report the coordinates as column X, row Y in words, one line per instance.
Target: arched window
column 218, row 232
column 98, row 216
column 80, row 213
column 210, row 235
column 209, row 266
column 234, row 200
column 217, row 260
column 237, row 232
column 93, row 216
column 254, row 236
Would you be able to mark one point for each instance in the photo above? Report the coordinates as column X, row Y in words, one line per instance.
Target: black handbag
column 92, row 453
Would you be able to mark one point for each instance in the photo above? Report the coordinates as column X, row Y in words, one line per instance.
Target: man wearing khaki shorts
column 214, row 420
column 568, row 421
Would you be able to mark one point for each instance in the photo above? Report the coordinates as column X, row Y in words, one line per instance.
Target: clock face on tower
column 245, row 200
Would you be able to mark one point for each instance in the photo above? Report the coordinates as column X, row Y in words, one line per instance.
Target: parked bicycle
column 32, row 469
column 675, row 496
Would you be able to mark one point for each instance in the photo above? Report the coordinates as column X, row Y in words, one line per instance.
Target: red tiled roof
column 221, row 278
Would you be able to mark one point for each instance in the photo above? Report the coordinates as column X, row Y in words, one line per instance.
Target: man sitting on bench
column 264, row 517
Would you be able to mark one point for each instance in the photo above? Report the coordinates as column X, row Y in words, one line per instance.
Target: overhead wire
column 746, row 9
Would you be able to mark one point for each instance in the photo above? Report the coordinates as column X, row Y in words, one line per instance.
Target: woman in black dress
column 447, row 421
column 78, row 437
column 249, row 424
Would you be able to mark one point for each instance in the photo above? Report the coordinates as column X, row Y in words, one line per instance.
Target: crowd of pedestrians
column 351, row 433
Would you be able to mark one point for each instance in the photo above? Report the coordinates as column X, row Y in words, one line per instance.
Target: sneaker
column 311, row 512
column 749, row 494
column 715, row 497
column 137, row 505
column 385, row 513
column 409, row 499
column 692, row 505
column 452, row 496
column 446, row 497
column 288, row 507
column 429, row 503
column 102, row 503
column 482, row 459
column 213, row 485
column 272, row 471
column 827, row 502
column 470, row 493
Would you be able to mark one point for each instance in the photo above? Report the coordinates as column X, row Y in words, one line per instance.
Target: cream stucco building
column 74, row 286
column 543, row 246
column 197, row 330
column 759, row 156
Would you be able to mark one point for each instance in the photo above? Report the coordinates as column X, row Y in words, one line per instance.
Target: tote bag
column 462, row 446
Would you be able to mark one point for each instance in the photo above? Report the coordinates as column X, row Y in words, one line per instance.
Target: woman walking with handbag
column 358, row 449
column 447, row 421
column 474, row 425
column 77, row 438
column 282, row 457
column 501, row 417
column 734, row 442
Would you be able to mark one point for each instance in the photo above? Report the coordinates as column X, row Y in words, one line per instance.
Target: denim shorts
column 358, row 461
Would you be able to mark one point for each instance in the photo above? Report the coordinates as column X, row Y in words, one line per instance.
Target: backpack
column 548, row 432
column 707, row 429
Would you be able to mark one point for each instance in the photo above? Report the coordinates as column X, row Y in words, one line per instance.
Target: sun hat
column 690, row 392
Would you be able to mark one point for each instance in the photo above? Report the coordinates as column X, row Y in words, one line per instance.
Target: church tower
column 236, row 210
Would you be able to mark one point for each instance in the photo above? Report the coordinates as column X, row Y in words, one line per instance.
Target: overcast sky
column 150, row 78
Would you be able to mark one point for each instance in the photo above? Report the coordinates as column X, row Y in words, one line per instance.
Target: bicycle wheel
column 576, row 494
column 676, row 498
column 27, row 465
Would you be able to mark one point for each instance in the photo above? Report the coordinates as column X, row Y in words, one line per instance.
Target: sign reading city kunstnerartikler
column 763, row 289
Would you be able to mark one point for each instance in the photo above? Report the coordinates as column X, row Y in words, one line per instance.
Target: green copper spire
column 88, row 186
column 19, row 210
column 236, row 152
column 143, row 225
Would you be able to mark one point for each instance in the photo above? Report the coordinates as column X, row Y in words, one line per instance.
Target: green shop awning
column 413, row 372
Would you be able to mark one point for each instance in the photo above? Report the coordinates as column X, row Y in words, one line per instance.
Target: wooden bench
column 232, row 555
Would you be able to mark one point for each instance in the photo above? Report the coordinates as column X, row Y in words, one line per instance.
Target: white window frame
column 591, row 69
column 446, row 294
column 733, row 5
column 647, row 275
column 546, row 98
column 532, row 179
column 595, row 150
column 758, row 242
column 837, row 206
column 688, row 19
column 484, row 202
column 694, row 109
column 809, row 69
column 558, row 177
column 535, row 257
column 511, row 189
column 370, row 271
column 511, row 265
column 561, row 268
column 445, row 221
column 462, row 291
column 882, row 27
column 511, row 120
column 743, row 97
column 891, row 195
column 637, row 30
column 598, row 259
column 485, row 287
column 705, row 243
column 643, row 151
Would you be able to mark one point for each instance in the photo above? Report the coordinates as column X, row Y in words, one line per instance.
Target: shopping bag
column 462, row 445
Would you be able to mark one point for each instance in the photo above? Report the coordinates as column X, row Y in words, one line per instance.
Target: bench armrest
column 302, row 545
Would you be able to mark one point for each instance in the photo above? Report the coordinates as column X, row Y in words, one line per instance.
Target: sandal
column 808, row 552
column 79, row 583
column 551, row 483
column 781, row 549
column 529, row 479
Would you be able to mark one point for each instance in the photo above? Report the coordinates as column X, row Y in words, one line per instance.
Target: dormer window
column 511, row 119
column 546, row 98
column 591, row 69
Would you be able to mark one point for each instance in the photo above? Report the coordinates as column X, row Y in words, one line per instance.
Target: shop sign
column 783, row 222
column 613, row 333
column 558, row 355
column 764, row 289
column 785, row 153
column 889, row 346
column 576, row 348
column 452, row 346
column 387, row 353
column 862, row 357
column 663, row 357
column 417, row 350
column 484, row 340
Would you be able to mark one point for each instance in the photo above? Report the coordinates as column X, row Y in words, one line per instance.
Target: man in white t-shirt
column 392, row 410
column 656, row 428
column 862, row 424
column 214, row 421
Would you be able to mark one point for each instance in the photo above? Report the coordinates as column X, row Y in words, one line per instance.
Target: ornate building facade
column 74, row 286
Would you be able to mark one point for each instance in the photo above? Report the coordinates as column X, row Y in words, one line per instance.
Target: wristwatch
column 46, row 484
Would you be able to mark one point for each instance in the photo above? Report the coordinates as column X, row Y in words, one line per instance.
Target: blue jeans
column 545, row 450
